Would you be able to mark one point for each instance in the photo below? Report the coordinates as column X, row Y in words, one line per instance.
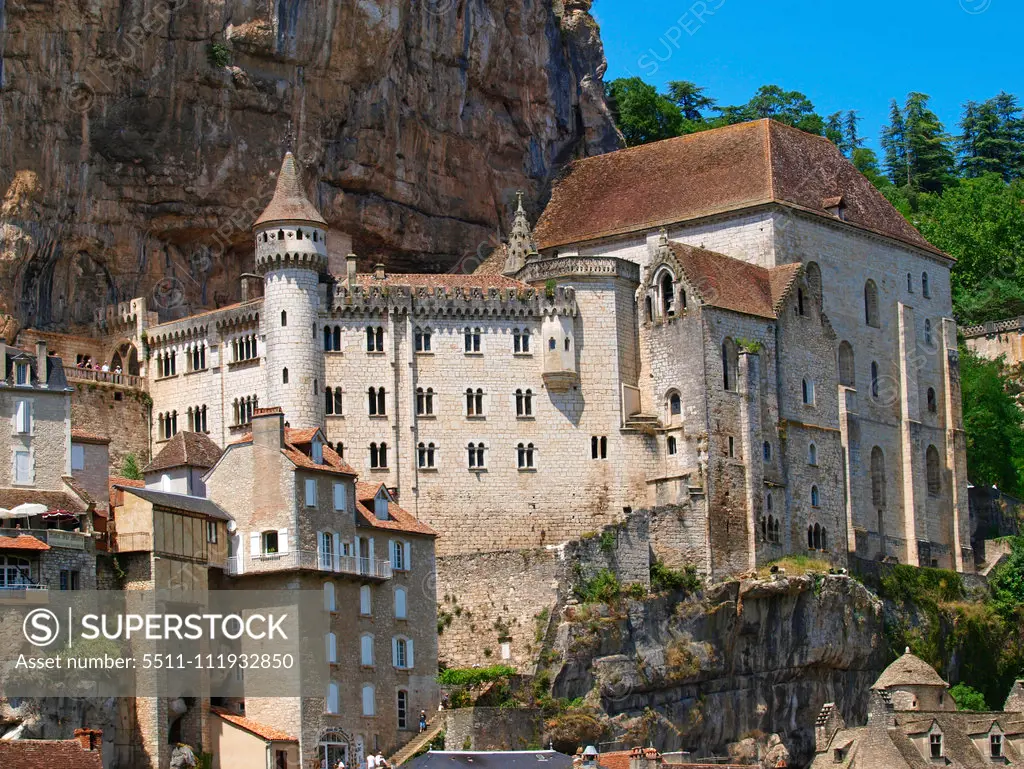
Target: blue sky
column 842, row 54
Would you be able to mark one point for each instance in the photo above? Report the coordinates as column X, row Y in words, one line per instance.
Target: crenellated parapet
column 573, row 267
column 453, row 302
column 123, row 319
column 199, row 327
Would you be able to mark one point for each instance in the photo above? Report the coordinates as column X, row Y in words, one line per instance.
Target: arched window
column 298, row 234
column 800, row 309
column 525, row 456
column 933, row 405
column 812, row 454
column 766, row 451
column 425, row 455
column 400, row 603
column 817, row 537
column 871, row 304
column 764, row 529
column 815, row 497
column 933, row 470
column 673, row 446
column 847, row 371
column 877, row 477
column 474, row 402
column 280, row 234
column 328, row 341
column 336, row 338
column 667, row 291
column 521, row 341
column 369, row 700
column 675, row 405
column 810, row 537
column 284, row 318
column 729, row 364
column 524, row 403
column 874, row 379
column 284, row 376
column 925, row 289
column 566, row 345
column 928, row 332
column 813, row 273
column 776, row 534
column 824, row 539
column 475, row 452
column 552, row 344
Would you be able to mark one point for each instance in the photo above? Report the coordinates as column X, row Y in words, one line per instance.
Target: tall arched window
column 874, row 379
column 928, row 332
column 813, row 273
column 925, row 288
column 871, row 304
column 933, row 470
column 815, row 497
column 673, row 446
column 667, row 295
column 729, row 364
column 877, row 477
column 910, row 283
column 933, row 405
column 812, row 454
column 847, row 370
column 284, row 318
column 284, row 376
column 807, row 388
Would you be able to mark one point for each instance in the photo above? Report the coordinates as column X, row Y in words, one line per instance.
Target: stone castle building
column 735, row 323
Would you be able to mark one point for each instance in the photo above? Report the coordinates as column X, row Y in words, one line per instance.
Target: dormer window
column 317, row 451
column 995, row 744
column 21, row 374
column 380, row 505
column 935, row 743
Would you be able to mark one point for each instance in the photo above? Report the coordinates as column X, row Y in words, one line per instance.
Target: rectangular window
column 365, row 607
column 340, row 496
column 22, row 467
column 403, row 709
column 269, row 543
column 77, row 458
column 398, row 556
column 732, row 446
column 935, row 741
column 23, row 417
column 21, row 374
column 369, row 707
column 311, row 492
column 995, row 742
column 211, row 532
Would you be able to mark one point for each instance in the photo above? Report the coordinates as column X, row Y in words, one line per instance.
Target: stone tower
column 291, row 254
column 521, row 246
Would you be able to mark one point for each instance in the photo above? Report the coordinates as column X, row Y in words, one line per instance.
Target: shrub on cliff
column 968, row 698
column 130, row 468
column 664, row 579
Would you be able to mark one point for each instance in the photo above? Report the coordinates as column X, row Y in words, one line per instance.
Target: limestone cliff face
column 139, row 138
column 743, row 660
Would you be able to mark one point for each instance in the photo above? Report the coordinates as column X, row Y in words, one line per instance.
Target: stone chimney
column 880, row 710
column 378, row 271
column 41, row 362
column 352, row 268
column 268, row 428
column 91, row 740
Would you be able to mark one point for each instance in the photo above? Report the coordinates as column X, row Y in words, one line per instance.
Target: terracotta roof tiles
column 481, row 280
column 263, row 731
column 289, row 202
column 82, row 436
column 48, row 754
column 23, row 542
column 713, row 172
column 294, row 438
column 398, row 518
column 54, row 500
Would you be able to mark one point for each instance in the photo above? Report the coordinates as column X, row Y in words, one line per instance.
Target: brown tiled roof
column 185, row 448
column 732, row 284
column 495, row 263
column 616, row 759
column 909, row 670
column 440, row 280
column 54, row 500
column 398, row 518
column 116, row 494
column 81, row 436
column 78, row 489
column 268, row 733
column 48, row 754
column 713, row 172
column 289, row 201
column 23, row 542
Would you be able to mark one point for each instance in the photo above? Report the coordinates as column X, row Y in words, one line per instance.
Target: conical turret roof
column 909, row 670
column 289, row 202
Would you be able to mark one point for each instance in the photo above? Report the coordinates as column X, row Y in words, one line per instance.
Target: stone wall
column 493, row 729
column 116, row 413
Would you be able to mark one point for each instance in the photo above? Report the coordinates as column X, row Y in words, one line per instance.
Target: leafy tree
column 866, row 161
column 1008, row 583
column 641, row 113
column 789, row 107
column 841, row 129
column 691, row 99
column 130, row 468
column 992, row 138
column 968, row 698
column 992, row 423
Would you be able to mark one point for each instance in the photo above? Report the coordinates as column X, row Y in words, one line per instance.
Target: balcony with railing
column 308, row 560
column 128, row 381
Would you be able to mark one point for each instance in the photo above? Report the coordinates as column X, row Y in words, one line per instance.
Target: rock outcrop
column 743, row 659
column 138, row 139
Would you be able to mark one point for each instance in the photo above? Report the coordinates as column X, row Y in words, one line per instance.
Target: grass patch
column 796, row 566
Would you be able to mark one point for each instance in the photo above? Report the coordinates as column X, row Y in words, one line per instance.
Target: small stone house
column 238, row 741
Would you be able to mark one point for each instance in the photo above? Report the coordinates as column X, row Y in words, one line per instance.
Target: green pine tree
column 130, row 468
column 930, row 158
column 894, row 144
column 641, row 113
column 691, row 99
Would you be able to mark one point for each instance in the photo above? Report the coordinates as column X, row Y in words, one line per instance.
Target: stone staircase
column 420, row 741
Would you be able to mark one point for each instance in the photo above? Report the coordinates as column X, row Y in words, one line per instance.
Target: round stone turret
column 291, row 253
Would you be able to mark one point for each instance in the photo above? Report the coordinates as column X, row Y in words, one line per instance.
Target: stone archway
column 335, row 745
column 127, row 357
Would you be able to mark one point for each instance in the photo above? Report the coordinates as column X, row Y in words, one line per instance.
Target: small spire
column 521, row 246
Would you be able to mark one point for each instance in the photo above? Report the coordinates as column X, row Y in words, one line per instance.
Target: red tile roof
column 289, row 201
column 733, row 284
column 713, row 172
column 23, row 542
column 294, row 439
column 263, row 731
column 81, row 436
column 398, row 518
column 48, row 754
column 185, row 448
column 54, row 500
column 616, row 759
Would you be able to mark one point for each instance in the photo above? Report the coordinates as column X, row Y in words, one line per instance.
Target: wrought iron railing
column 308, row 560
